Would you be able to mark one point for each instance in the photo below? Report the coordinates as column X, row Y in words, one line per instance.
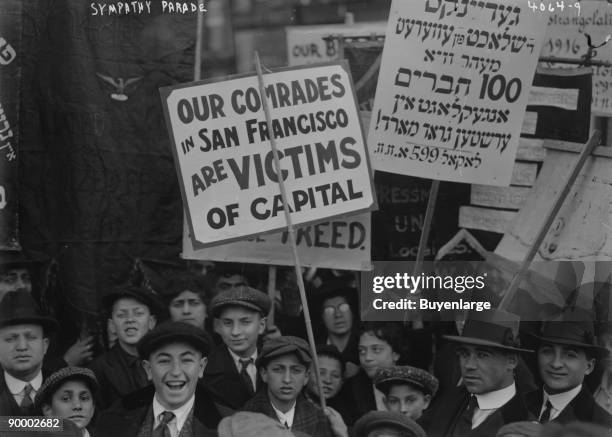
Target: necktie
column 246, row 378
column 287, row 425
column 464, row 424
column 26, row 403
column 545, row 416
column 163, row 429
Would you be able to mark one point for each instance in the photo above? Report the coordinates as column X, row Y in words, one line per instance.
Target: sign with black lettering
column 338, row 244
column 226, row 165
column 453, row 87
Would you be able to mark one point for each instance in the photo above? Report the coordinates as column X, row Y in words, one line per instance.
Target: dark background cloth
column 98, row 186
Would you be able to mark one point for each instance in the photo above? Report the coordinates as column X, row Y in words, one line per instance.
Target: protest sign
column 306, row 44
column 337, row 244
column 566, row 37
column 452, row 89
column 225, row 163
column 10, row 79
column 582, row 227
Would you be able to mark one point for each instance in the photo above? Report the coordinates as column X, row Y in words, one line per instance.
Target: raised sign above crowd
column 452, row 89
column 225, row 162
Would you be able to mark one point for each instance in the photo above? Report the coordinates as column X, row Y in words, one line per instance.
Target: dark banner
column 10, row 78
column 559, row 106
column 98, row 186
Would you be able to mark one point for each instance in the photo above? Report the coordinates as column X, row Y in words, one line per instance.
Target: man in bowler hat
column 566, row 354
column 24, row 332
column 487, row 398
column 174, row 357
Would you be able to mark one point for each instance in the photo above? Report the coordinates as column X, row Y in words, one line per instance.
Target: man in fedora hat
column 174, row 357
column 566, row 354
column 487, row 399
column 132, row 313
column 24, row 341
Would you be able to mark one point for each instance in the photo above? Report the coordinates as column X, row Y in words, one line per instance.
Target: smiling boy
column 240, row 317
column 174, row 358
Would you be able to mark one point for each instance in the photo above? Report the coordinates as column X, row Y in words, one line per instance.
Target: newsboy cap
column 247, row 424
column 55, row 380
column 382, row 419
column 19, row 308
column 284, row 345
column 140, row 294
column 244, row 296
column 173, row 332
column 423, row 380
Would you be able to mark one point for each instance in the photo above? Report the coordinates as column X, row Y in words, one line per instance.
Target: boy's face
column 407, row 400
column 375, row 353
column 239, row 328
column 131, row 320
column 337, row 315
column 330, row 370
column 285, row 376
column 175, row 370
column 188, row 307
column 562, row 368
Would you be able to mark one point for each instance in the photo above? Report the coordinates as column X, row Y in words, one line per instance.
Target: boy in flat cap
column 24, row 332
column 566, row 354
column 408, row 390
column 132, row 314
column 488, row 351
column 231, row 374
column 174, row 357
column 387, row 424
column 284, row 365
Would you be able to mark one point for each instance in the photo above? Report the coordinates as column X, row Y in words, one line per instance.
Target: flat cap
column 140, row 294
column 523, row 429
column 55, row 380
column 380, row 419
column 414, row 376
column 173, row 332
column 244, row 296
column 247, row 424
column 284, row 345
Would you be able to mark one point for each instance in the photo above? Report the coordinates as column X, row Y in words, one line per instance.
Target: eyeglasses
column 330, row 309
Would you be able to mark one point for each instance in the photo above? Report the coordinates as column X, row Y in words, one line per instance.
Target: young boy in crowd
column 240, row 319
column 132, row 314
column 284, row 365
column 408, row 390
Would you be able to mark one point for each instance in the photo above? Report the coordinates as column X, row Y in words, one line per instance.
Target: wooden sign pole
column 291, row 232
column 550, row 217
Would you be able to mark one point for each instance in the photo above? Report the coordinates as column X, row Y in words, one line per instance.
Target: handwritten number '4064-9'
column 553, row 6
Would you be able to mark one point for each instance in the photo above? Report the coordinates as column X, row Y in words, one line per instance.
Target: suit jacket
column 118, row 374
column 582, row 408
column 127, row 416
column 448, row 408
column 308, row 418
column 8, row 405
column 223, row 382
column 356, row 397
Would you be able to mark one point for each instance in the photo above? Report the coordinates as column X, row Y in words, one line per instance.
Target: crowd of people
column 199, row 358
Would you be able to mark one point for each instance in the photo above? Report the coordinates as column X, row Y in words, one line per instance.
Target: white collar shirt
column 251, row 369
column 17, row 386
column 180, row 415
column 488, row 403
column 285, row 418
column 379, row 397
column 559, row 401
